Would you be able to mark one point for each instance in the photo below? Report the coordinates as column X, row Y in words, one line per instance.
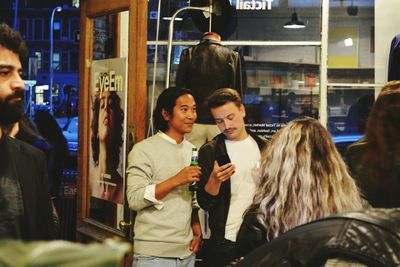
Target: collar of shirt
column 169, row 139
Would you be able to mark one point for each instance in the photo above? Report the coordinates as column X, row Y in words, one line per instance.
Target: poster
column 107, row 120
column 343, row 47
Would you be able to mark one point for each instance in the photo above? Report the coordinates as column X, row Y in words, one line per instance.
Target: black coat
column 370, row 237
column 251, row 234
column 30, row 165
column 206, row 67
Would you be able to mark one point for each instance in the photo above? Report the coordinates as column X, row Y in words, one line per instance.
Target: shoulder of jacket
column 208, row 146
column 212, row 143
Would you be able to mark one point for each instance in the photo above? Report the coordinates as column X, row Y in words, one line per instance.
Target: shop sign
column 252, row 4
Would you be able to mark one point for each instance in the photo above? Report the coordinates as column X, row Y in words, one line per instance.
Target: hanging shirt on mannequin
column 206, row 67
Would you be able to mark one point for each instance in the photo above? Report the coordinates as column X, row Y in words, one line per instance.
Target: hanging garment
column 206, row 67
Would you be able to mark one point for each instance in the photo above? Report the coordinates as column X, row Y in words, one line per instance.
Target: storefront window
column 282, row 67
column 351, row 75
column 260, row 20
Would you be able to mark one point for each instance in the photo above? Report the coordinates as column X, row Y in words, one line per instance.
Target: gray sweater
column 164, row 232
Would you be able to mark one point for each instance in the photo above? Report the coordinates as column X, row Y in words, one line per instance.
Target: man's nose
column 226, row 124
column 17, row 83
column 191, row 114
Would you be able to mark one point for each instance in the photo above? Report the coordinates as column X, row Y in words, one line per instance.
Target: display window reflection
column 282, row 80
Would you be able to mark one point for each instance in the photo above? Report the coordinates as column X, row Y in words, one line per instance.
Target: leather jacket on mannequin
column 206, row 67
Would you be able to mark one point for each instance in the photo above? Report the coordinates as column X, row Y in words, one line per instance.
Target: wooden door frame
column 88, row 229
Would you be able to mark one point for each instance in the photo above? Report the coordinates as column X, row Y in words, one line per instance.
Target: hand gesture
column 222, row 173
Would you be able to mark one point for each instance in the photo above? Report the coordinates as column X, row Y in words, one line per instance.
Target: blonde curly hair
column 303, row 178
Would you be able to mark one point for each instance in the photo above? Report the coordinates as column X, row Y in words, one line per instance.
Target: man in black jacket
column 205, row 68
column 230, row 166
column 25, row 207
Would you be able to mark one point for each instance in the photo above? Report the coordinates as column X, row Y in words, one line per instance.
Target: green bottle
column 194, row 162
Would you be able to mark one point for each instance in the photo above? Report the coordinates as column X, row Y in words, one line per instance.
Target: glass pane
column 349, row 108
column 38, row 29
column 258, row 20
column 278, row 92
column 38, row 55
column 348, row 111
column 280, row 83
column 24, row 29
column 351, row 61
column 108, row 95
column 351, row 49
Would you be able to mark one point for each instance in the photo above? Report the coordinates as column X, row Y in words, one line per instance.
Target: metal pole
column 210, row 10
column 171, row 34
column 58, row 9
column 323, row 84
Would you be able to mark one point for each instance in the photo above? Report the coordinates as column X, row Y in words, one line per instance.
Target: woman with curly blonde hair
column 303, row 179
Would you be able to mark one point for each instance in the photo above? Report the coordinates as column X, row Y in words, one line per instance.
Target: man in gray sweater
column 167, row 229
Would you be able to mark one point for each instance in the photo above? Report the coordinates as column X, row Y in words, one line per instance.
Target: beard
column 12, row 112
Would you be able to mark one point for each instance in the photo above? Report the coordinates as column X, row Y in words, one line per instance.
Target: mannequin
column 203, row 69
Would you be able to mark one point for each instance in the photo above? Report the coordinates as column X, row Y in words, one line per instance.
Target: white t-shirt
column 245, row 155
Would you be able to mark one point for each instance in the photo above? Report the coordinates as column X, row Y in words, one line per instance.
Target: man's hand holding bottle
column 188, row 175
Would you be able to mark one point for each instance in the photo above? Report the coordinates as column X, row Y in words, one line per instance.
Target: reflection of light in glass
column 348, row 42
column 169, row 18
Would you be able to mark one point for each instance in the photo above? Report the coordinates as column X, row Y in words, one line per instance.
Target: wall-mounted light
column 294, row 23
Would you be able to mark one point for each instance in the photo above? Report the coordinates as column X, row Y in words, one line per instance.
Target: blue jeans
column 151, row 261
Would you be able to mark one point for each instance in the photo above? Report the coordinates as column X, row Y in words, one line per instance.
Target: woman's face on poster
column 106, row 117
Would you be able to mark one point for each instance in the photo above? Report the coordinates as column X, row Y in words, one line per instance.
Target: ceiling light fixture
column 169, row 18
column 294, row 23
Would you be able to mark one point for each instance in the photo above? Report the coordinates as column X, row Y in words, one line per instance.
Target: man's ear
column 242, row 110
column 165, row 115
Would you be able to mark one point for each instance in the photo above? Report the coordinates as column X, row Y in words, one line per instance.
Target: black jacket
column 251, row 234
column 206, row 67
column 370, row 237
column 217, row 206
column 31, row 171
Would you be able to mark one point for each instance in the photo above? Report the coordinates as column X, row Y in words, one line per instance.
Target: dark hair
column 28, row 131
column 167, row 101
column 383, row 129
column 13, row 41
column 222, row 96
column 117, row 139
column 57, row 149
